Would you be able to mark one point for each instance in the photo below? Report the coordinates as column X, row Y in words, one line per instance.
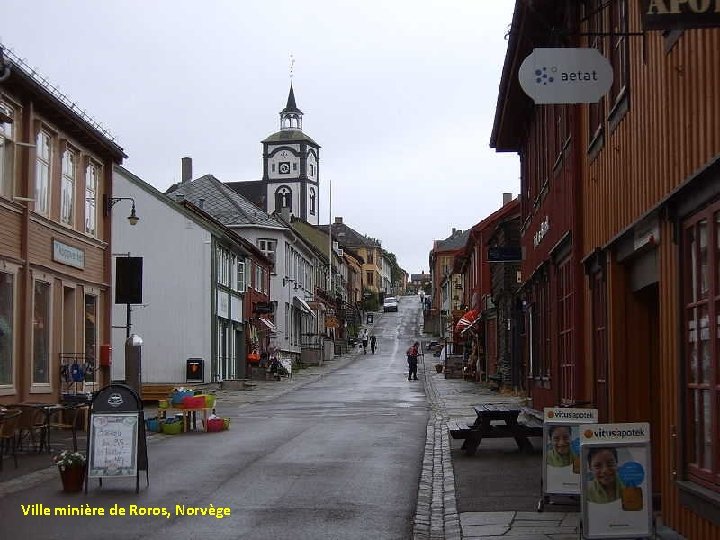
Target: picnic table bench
column 506, row 425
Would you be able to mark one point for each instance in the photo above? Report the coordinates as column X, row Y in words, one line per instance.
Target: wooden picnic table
column 494, row 421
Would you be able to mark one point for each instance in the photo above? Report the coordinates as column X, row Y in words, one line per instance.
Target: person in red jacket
column 412, row 358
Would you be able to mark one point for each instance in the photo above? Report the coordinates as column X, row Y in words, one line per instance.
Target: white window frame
column 68, row 181
column 43, row 387
column 43, row 171
column 241, row 281
column 7, row 152
column 12, row 270
column 92, row 173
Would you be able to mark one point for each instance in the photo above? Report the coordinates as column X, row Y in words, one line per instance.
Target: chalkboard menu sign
column 116, row 444
column 113, row 445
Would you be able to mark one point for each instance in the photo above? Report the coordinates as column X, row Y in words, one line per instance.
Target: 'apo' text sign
column 565, row 75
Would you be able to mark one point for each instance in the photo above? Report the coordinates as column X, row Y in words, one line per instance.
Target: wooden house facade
column 551, row 235
column 55, row 257
column 645, row 182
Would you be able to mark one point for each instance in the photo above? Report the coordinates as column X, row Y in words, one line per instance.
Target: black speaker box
column 128, row 280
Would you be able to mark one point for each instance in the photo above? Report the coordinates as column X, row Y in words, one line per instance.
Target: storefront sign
column 561, row 451
column 113, row 445
column 616, row 496
column 69, row 255
column 565, row 75
column 541, row 232
column 504, row 254
column 680, row 14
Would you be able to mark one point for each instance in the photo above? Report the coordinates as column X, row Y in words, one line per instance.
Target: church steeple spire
column 291, row 116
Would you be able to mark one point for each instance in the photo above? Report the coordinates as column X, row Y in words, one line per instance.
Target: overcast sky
column 400, row 95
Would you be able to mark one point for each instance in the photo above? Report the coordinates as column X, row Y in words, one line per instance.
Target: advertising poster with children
column 616, row 494
column 561, row 450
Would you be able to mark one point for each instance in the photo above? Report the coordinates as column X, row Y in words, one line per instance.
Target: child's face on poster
column 560, row 439
column 604, row 467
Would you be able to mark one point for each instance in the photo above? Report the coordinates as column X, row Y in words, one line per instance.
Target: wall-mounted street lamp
column 109, row 202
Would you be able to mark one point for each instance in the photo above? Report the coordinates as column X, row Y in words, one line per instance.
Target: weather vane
column 292, row 65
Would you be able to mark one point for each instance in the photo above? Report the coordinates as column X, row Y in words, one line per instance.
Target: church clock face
column 284, row 167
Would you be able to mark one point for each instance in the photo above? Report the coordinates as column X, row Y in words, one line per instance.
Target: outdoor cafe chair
column 8, row 427
column 32, row 425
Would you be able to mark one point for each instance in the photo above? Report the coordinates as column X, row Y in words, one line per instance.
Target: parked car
column 390, row 304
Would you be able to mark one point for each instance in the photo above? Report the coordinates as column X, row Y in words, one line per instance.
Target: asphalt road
column 338, row 458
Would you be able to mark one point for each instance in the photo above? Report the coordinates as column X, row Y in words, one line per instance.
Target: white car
column 390, row 304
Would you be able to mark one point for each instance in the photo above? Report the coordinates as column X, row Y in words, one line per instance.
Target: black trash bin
column 369, row 318
column 194, row 370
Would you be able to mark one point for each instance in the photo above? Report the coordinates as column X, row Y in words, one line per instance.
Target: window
column 67, row 187
column 7, row 151
column 370, row 257
column 91, row 185
column 600, row 348
column 267, row 246
column 565, row 326
column 618, row 50
column 312, row 200
column 41, row 333
column 241, row 276
column 7, row 310
column 701, row 302
column 369, row 277
column 283, row 198
column 43, row 151
column 312, row 169
column 90, row 334
column 596, row 24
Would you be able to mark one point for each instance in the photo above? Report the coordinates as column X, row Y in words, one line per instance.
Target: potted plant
column 439, row 368
column 72, row 470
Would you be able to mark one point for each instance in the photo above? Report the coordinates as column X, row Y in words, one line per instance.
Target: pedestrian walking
column 412, row 359
column 373, row 343
column 365, row 340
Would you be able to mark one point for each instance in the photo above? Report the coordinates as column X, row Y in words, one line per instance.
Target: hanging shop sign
column 680, row 14
column 616, row 496
column 504, row 254
column 565, row 75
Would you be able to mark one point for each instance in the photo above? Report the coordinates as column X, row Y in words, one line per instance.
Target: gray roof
column 222, row 203
column 456, row 240
column 290, row 136
column 346, row 236
column 252, row 190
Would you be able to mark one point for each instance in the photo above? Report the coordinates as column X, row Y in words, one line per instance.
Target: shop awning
column 303, row 305
column 467, row 320
column 269, row 324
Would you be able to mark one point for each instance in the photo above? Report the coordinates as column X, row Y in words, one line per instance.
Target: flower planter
column 439, row 368
column 72, row 478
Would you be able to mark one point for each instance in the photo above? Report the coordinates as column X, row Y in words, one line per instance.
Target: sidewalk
column 439, row 497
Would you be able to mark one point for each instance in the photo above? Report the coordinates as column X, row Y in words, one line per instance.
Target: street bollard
column 133, row 363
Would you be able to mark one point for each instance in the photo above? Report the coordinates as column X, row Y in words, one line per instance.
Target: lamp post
column 109, row 202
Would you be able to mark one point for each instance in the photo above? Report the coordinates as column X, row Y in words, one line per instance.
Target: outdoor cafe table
column 506, row 425
column 49, row 410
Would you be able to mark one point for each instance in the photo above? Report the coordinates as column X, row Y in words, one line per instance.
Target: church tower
column 291, row 167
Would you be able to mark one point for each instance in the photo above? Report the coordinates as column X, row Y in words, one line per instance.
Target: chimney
column 285, row 213
column 338, row 221
column 201, row 203
column 186, row 169
column 454, row 231
column 507, row 197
